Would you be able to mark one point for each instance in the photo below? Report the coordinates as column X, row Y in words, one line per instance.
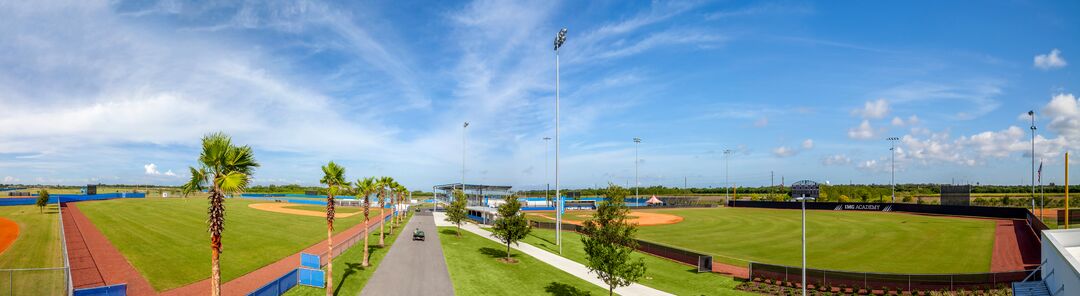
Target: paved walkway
column 567, row 265
column 413, row 267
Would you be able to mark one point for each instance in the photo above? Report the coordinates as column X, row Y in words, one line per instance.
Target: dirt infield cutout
column 9, row 231
column 639, row 217
column 282, row 207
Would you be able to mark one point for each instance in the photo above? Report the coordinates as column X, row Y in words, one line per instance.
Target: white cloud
column 873, row 109
column 979, row 96
column 869, row 165
column 836, row 159
column 808, row 144
column 1053, row 60
column 151, row 169
column 784, row 151
column 10, row 179
column 896, row 121
column 863, row 132
column 170, row 173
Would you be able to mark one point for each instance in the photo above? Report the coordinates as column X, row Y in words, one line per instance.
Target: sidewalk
column 567, row 265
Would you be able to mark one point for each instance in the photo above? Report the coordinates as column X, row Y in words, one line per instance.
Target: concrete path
column 567, row 265
column 413, row 267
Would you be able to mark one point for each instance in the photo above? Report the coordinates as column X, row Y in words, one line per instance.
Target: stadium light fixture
column 803, row 200
column 560, row 38
column 892, row 178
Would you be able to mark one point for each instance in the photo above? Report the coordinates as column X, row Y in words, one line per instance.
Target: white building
column 1061, row 261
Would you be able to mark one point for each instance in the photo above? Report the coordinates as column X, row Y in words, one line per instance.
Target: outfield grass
column 838, row 240
column 38, row 243
column 37, row 246
column 350, row 276
column 475, row 270
column 167, row 242
column 662, row 274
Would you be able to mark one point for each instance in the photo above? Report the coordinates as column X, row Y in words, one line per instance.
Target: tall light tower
column 637, row 195
column 548, row 185
column 560, row 38
column 464, row 128
column 1031, row 113
column 892, row 178
column 727, row 166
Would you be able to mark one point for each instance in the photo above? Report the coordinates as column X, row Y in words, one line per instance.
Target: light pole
column 727, row 166
column 637, row 195
column 892, row 178
column 548, row 185
column 464, row 128
column 803, row 199
column 1032, row 114
column 560, row 38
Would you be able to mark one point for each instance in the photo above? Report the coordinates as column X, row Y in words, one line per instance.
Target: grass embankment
column 662, row 274
column 350, row 276
column 167, row 242
column 838, row 240
column 475, row 270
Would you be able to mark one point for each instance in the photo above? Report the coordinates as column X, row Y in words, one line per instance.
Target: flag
column 1040, row 172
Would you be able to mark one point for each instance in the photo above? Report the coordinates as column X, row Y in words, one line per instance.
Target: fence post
column 864, row 282
column 909, row 283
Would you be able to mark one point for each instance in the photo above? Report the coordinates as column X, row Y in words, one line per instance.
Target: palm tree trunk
column 215, row 269
column 366, row 235
column 330, row 259
column 382, row 225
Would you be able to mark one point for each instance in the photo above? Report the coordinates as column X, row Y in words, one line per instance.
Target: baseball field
column 167, row 242
column 30, row 239
column 838, row 240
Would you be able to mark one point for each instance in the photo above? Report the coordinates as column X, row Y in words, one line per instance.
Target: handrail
column 1033, row 272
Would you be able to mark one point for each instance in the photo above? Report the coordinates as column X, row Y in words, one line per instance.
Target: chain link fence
column 34, row 281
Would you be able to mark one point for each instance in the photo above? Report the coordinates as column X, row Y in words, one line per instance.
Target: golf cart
column 418, row 234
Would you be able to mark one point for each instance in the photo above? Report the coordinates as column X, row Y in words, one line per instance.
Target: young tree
column 455, row 212
column 226, row 169
column 364, row 189
column 609, row 241
column 511, row 226
column 42, row 200
column 334, row 178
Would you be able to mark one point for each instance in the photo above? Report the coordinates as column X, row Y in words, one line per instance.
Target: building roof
column 1067, row 243
column 453, row 186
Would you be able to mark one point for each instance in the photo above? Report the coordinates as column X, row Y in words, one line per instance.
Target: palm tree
column 401, row 200
column 364, row 189
column 333, row 177
column 384, row 183
column 226, row 169
column 394, row 192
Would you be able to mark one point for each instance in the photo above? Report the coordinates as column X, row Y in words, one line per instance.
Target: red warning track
column 9, row 231
column 1016, row 246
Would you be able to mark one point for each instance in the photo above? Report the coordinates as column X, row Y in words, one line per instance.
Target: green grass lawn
column 166, row 239
column 37, row 246
column 339, row 209
column 662, row 274
column 475, row 270
column 838, row 240
column 349, row 276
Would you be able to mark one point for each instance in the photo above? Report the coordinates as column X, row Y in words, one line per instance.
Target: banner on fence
column 310, row 261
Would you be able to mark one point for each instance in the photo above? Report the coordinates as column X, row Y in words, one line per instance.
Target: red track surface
column 96, row 262
column 1016, row 246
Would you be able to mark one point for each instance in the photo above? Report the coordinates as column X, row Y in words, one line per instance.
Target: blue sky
column 121, row 92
